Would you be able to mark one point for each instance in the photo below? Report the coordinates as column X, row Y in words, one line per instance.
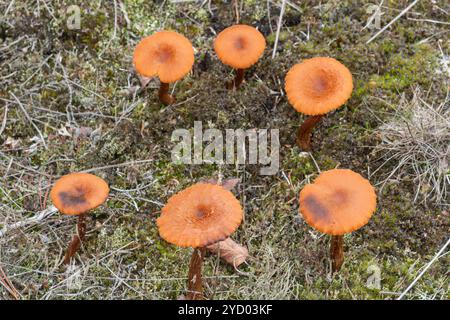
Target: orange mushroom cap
column 200, row 215
column 166, row 54
column 78, row 193
column 338, row 202
column 319, row 85
column 239, row 46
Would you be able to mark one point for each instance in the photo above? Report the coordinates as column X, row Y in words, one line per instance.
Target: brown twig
column 8, row 284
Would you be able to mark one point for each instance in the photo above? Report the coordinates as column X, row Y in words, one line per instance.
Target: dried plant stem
column 195, row 286
column 164, row 95
column 7, row 284
column 436, row 257
column 280, row 23
column 239, row 78
column 304, row 132
column 337, row 252
column 392, row 21
column 75, row 244
column 37, row 218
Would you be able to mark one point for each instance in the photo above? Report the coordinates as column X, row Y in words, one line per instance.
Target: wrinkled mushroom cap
column 319, row 85
column 78, row 193
column 200, row 215
column 338, row 202
column 239, row 46
column 166, row 54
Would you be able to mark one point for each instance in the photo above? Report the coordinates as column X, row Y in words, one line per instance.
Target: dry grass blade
column 392, row 21
column 5, row 282
column 415, row 144
column 280, row 22
column 30, row 119
column 40, row 216
column 437, row 255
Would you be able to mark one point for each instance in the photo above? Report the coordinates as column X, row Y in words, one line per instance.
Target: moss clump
column 403, row 72
column 284, row 35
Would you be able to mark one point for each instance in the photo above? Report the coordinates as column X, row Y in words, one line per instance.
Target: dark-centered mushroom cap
column 239, row 46
column 200, row 215
column 166, row 54
column 319, row 85
column 78, row 193
column 338, row 202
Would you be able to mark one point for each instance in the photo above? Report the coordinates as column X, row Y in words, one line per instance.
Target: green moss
column 309, row 48
column 403, row 72
column 202, row 15
column 387, row 47
column 298, row 165
column 282, row 37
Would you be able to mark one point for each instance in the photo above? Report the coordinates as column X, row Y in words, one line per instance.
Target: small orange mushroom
column 198, row 216
column 315, row 87
column 167, row 55
column 77, row 194
column 339, row 201
column 229, row 250
column 239, row 46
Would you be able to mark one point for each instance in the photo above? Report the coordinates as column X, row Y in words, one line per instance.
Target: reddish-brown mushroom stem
column 164, row 95
column 195, row 285
column 337, row 252
column 75, row 244
column 239, row 78
column 304, row 132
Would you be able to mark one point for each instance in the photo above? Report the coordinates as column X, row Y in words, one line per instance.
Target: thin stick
column 123, row 164
column 424, row 270
column 280, row 20
column 392, row 21
column 36, row 218
column 29, row 119
column 5, row 117
column 8, row 285
column 236, row 11
column 429, row 20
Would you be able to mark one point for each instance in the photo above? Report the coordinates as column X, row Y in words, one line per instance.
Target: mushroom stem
column 195, row 286
column 337, row 252
column 76, row 239
column 304, row 132
column 164, row 95
column 239, row 78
